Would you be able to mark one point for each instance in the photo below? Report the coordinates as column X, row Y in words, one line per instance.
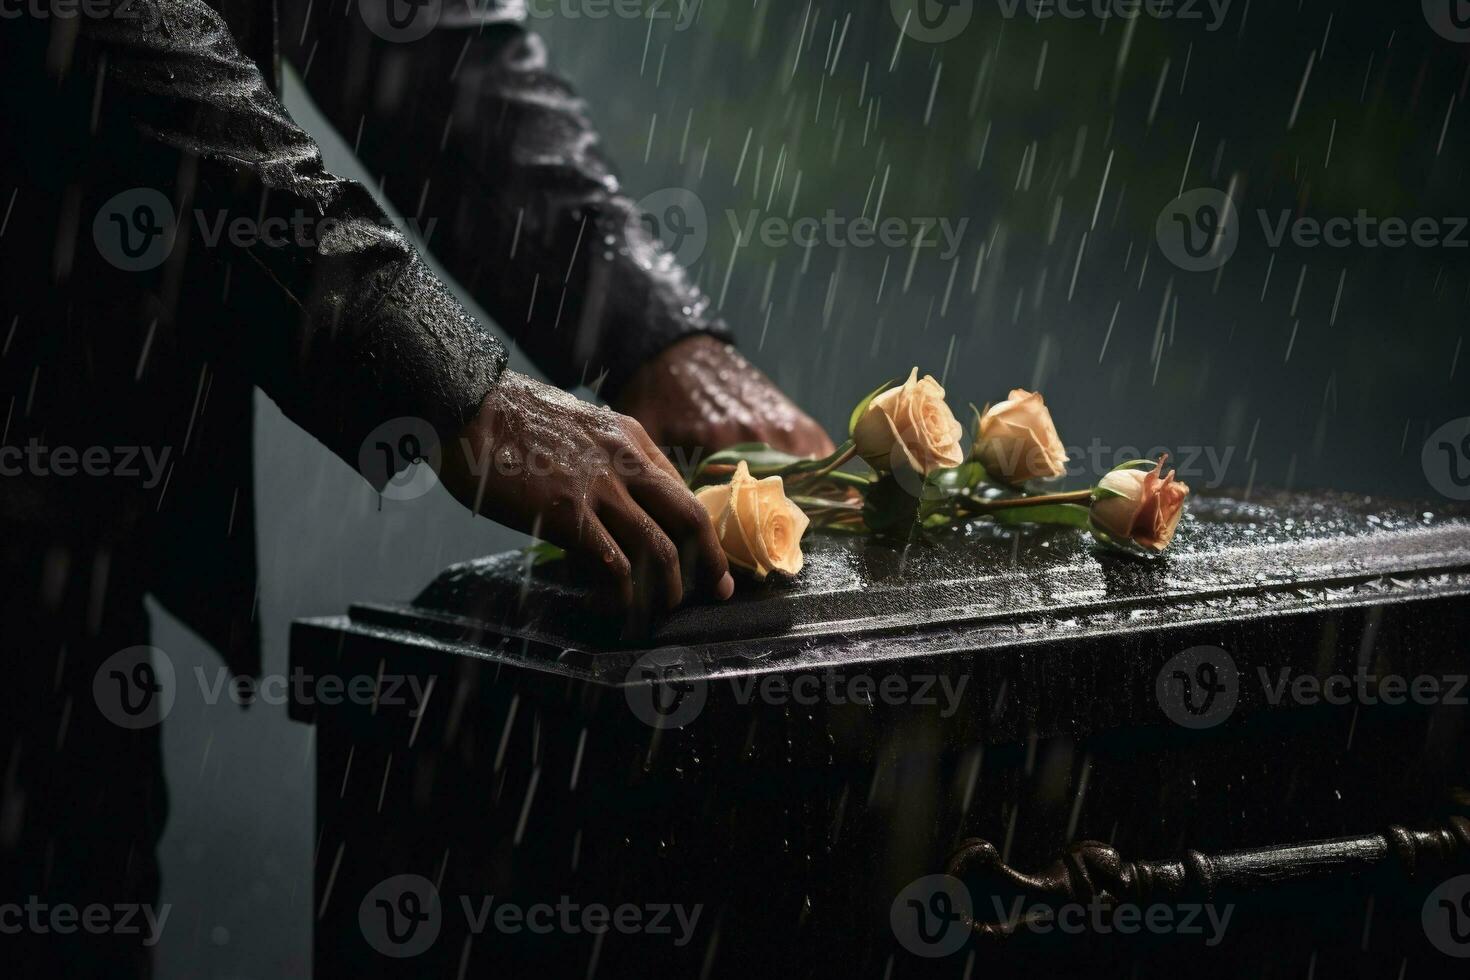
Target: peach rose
column 910, row 424
column 1018, row 440
column 1137, row 505
column 759, row 529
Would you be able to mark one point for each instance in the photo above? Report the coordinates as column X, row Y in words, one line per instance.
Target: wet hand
column 700, row 394
column 592, row 482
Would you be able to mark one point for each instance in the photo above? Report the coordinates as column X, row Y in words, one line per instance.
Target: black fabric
column 344, row 332
column 468, row 128
column 126, row 386
column 345, row 329
column 82, row 800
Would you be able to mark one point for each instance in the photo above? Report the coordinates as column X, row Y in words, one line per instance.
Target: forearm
column 495, row 159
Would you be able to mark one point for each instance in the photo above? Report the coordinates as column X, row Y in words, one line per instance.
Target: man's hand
column 590, row 481
column 701, row 395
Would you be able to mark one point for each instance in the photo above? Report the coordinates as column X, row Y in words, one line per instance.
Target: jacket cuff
column 431, row 365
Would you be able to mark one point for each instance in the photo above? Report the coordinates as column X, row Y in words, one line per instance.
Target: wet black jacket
column 170, row 238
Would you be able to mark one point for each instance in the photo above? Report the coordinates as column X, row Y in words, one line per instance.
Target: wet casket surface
column 890, row 765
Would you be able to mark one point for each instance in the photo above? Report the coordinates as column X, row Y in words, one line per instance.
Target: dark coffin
column 798, row 763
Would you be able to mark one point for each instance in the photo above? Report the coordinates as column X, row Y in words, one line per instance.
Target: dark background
column 1010, row 124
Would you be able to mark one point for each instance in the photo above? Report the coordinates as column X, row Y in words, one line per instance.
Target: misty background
column 1052, row 145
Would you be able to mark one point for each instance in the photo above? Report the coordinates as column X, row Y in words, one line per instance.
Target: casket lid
column 973, row 589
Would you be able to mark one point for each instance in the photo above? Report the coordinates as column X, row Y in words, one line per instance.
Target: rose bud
column 910, row 425
column 1017, row 441
column 1137, row 505
column 759, row 529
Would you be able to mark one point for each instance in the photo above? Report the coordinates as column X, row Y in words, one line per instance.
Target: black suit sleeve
column 356, row 330
column 469, row 129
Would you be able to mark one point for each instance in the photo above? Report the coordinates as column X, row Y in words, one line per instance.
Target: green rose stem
column 791, row 469
column 821, row 503
column 1075, row 497
column 844, row 452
